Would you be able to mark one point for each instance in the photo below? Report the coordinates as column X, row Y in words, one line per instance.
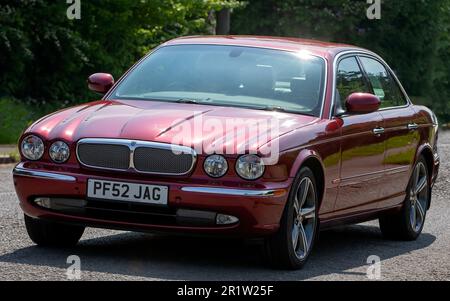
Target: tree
column 413, row 36
column 44, row 56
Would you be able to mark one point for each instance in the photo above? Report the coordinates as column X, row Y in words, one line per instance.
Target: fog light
column 43, row 202
column 223, row 219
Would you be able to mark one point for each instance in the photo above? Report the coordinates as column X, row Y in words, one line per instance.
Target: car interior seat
column 306, row 90
column 258, row 81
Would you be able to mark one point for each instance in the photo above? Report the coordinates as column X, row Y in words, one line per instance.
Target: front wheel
column 408, row 223
column 50, row 234
column 291, row 246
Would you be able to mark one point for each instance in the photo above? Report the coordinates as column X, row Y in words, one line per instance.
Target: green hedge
column 47, row 57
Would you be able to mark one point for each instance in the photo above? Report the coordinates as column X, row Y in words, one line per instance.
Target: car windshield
column 229, row 76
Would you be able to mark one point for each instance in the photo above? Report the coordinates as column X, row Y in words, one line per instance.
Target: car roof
column 324, row 49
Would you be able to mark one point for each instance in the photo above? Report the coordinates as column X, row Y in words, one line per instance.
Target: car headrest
column 307, row 88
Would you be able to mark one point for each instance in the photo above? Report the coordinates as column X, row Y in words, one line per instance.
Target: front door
column 362, row 145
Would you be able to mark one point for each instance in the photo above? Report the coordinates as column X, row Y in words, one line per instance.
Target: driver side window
column 349, row 80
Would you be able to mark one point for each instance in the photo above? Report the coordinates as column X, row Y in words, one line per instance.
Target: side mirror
column 362, row 103
column 100, row 82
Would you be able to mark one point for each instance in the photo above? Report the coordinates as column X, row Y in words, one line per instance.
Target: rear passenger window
column 349, row 80
column 383, row 85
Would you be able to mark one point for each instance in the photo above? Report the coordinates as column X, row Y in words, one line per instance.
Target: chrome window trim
column 232, row 192
column 325, row 87
column 21, row 171
column 361, row 52
column 132, row 146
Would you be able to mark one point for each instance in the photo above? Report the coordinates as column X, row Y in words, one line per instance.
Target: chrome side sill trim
column 20, row 171
column 234, row 192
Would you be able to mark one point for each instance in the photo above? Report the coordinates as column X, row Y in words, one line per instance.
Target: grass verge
column 16, row 116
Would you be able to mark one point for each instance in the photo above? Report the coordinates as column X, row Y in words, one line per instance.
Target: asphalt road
column 340, row 254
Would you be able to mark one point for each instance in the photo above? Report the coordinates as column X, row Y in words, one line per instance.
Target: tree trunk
column 223, row 22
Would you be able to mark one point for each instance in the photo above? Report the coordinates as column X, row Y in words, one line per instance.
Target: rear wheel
column 51, row 234
column 408, row 223
column 291, row 246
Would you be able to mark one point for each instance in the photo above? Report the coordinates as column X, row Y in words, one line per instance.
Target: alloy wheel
column 304, row 218
column 418, row 197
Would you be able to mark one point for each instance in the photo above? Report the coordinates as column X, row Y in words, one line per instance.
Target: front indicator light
column 223, row 219
column 43, row 202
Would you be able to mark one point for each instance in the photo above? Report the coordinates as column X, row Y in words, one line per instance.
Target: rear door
column 401, row 136
column 362, row 146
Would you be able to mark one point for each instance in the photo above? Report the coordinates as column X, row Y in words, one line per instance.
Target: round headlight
column 216, row 166
column 59, row 152
column 250, row 167
column 32, row 148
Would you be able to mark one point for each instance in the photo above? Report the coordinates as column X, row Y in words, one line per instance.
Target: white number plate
column 128, row 192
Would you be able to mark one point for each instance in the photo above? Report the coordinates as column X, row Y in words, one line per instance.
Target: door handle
column 378, row 131
column 413, row 126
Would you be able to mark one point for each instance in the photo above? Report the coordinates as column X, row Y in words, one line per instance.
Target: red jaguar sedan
column 256, row 137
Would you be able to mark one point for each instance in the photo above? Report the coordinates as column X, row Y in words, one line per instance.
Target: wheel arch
column 312, row 160
column 427, row 152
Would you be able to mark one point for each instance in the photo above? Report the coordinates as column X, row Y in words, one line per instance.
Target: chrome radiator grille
column 104, row 156
column 140, row 156
column 161, row 161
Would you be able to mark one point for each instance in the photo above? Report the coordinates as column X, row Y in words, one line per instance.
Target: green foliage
column 413, row 36
column 45, row 57
column 15, row 116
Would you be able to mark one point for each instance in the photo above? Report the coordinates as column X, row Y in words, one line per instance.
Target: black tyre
column 50, row 234
column 291, row 246
column 407, row 224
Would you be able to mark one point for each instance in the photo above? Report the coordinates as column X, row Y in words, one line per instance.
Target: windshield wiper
column 187, row 100
column 274, row 109
column 283, row 110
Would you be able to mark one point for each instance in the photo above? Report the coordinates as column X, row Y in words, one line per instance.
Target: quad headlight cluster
column 248, row 167
column 33, row 149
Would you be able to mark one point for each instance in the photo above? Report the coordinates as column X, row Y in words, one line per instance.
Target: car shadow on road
column 193, row 258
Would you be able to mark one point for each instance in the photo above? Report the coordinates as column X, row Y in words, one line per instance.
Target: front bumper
column 259, row 209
